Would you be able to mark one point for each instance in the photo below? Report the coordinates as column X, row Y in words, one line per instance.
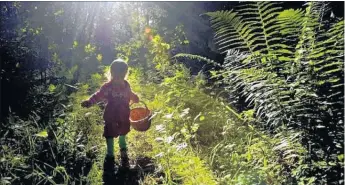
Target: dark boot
column 124, row 158
column 109, row 164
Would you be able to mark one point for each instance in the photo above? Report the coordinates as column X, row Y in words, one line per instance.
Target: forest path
column 153, row 160
column 157, row 156
column 142, row 167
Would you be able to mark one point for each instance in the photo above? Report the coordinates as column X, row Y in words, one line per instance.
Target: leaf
column 196, row 57
column 43, row 133
column 311, row 180
column 169, row 139
column 249, row 156
column 320, row 126
column 202, row 118
column 88, row 114
column 169, row 116
column 265, row 162
column 51, row 88
column 161, row 154
column 75, row 44
column 4, row 181
column 281, row 146
column 181, row 146
column 60, row 121
column 184, row 112
column 197, row 116
column 89, row 48
column 60, row 12
column 160, row 128
column 81, row 146
column 99, row 57
column 251, row 127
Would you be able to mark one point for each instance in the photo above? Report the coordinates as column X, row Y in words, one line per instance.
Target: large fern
column 292, row 73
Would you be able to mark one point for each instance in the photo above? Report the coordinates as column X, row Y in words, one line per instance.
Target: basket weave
column 140, row 118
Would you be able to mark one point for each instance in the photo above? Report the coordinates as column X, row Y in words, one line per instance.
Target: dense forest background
column 243, row 93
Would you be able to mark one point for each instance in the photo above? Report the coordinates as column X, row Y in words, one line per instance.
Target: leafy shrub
column 288, row 64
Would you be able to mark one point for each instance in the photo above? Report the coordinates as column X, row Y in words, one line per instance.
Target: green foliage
column 190, row 121
column 171, row 135
column 51, row 88
column 52, row 156
column 196, row 57
column 42, row 134
column 89, row 48
column 287, row 64
column 290, row 68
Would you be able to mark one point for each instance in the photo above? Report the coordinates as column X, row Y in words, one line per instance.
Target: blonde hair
column 118, row 69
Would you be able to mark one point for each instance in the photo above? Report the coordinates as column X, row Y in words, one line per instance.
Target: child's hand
column 136, row 99
column 86, row 104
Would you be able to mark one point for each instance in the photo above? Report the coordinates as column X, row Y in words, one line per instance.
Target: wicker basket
column 140, row 118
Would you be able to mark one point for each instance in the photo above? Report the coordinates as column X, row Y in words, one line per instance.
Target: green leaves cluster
column 289, row 66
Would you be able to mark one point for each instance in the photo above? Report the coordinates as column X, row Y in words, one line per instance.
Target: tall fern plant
column 289, row 66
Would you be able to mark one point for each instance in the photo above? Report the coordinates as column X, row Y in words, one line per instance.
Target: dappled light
column 143, row 93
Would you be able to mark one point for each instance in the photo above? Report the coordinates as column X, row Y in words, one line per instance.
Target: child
column 118, row 94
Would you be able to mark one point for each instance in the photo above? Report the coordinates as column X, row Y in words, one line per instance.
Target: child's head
column 118, row 69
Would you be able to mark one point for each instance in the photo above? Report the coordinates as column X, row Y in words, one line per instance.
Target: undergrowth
column 196, row 137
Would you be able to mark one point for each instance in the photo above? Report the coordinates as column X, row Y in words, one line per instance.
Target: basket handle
column 147, row 109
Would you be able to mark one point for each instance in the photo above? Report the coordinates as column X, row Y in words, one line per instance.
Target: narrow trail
column 145, row 168
column 140, row 167
column 154, row 157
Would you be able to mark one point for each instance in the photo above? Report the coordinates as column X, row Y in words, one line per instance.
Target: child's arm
column 95, row 98
column 134, row 97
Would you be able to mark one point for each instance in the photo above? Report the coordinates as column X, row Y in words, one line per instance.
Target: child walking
column 118, row 94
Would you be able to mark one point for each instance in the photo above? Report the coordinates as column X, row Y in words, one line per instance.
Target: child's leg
column 124, row 156
column 110, row 146
column 122, row 142
column 109, row 160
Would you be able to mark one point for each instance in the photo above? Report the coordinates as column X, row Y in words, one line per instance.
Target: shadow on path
column 112, row 174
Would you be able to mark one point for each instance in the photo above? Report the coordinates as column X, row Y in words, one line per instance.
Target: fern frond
column 293, row 72
column 227, row 20
column 196, row 57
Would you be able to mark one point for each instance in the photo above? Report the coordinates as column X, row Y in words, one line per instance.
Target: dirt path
column 140, row 167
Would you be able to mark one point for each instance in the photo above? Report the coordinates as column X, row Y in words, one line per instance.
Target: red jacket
column 116, row 113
